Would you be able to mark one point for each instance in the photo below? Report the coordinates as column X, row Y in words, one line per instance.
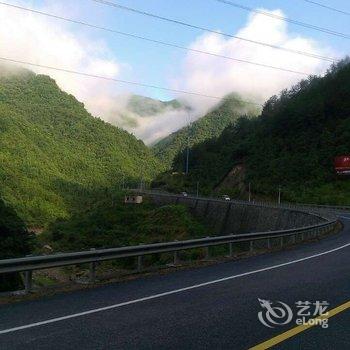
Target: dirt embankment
column 234, row 179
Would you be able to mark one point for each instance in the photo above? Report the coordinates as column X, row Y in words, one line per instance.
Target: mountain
column 53, row 152
column 209, row 126
column 147, row 118
column 292, row 144
column 148, row 107
column 133, row 108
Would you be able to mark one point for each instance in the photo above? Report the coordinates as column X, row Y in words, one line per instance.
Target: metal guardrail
column 28, row 264
column 323, row 206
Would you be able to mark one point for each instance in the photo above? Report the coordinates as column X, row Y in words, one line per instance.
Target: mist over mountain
column 74, row 49
column 147, row 107
column 209, row 126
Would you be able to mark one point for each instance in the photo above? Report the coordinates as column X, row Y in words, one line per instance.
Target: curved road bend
column 213, row 307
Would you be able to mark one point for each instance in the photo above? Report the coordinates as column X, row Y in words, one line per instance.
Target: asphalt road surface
column 213, row 307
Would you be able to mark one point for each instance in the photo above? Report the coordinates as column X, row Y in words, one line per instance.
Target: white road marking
column 175, row 291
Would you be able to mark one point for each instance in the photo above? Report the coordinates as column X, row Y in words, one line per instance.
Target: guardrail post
column 302, row 236
column 176, row 257
column 251, row 247
column 314, row 233
column 230, row 249
column 139, row 263
column 294, row 239
column 281, row 241
column 308, row 234
column 92, row 270
column 28, row 281
column 269, row 243
column 207, row 253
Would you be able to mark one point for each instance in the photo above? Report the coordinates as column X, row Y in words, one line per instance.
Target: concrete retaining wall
column 234, row 218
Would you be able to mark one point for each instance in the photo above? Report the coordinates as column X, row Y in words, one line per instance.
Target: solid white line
column 155, row 296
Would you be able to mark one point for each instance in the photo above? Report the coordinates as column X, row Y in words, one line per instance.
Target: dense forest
column 292, row 144
column 15, row 241
column 209, row 126
column 54, row 155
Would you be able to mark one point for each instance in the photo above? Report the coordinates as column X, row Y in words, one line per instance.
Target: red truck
column 342, row 165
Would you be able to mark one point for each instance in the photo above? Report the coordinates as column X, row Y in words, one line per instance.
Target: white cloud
column 217, row 76
column 154, row 128
column 33, row 38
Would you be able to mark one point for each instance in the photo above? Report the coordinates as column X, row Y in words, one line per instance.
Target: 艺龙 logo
column 277, row 313
column 274, row 313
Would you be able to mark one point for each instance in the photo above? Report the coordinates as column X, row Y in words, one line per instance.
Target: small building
column 133, row 199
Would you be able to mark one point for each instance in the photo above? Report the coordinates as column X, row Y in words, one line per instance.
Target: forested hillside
column 207, row 127
column 292, row 144
column 147, row 107
column 54, row 154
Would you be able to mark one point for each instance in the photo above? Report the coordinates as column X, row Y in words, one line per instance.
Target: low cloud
column 33, row 38
column 155, row 128
column 148, row 127
column 217, row 76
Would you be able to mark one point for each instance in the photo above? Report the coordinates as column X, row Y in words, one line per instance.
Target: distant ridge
column 209, row 126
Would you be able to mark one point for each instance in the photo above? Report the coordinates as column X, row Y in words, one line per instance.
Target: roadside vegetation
column 109, row 222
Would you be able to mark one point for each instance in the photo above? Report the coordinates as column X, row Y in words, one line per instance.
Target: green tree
column 15, row 241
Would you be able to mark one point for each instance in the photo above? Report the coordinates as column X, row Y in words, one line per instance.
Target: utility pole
column 279, row 194
column 187, row 158
column 188, row 143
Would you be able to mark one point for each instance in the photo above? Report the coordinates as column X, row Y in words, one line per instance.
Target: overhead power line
column 189, row 25
column 93, row 26
column 289, row 20
column 328, row 7
column 6, row 59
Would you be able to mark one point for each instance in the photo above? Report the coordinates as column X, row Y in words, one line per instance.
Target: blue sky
column 157, row 64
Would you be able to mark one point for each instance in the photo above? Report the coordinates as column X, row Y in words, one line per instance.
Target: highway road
column 213, row 307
